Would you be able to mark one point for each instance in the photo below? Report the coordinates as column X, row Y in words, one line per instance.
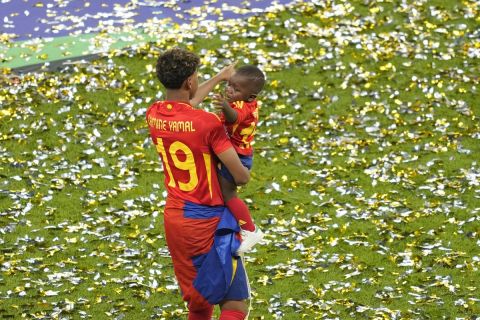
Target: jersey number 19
column 188, row 164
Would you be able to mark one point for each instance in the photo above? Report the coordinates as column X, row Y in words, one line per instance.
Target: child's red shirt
column 242, row 131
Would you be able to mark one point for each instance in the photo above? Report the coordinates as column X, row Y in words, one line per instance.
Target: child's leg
column 201, row 314
column 232, row 315
column 238, row 208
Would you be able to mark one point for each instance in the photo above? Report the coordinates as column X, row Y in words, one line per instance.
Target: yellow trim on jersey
column 208, row 166
column 234, row 267
column 216, row 116
column 234, row 128
column 239, row 104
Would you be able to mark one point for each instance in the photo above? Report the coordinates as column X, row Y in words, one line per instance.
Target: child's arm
column 222, row 105
column 205, row 87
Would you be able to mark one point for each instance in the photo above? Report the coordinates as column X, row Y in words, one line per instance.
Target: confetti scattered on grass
column 371, row 113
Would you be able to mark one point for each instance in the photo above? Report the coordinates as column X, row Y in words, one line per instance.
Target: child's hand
column 222, row 106
column 219, row 102
column 227, row 72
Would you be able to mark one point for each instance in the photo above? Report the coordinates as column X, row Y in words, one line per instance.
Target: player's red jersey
column 242, row 131
column 187, row 140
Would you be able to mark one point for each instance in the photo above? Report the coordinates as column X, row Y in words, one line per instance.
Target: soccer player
column 189, row 142
column 240, row 114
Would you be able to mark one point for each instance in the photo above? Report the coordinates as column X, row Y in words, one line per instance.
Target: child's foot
column 249, row 239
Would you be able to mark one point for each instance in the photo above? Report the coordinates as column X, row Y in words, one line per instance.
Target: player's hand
column 219, row 102
column 227, row 72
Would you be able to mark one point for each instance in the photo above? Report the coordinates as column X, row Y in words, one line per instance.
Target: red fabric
column 242, row 131
column 241, row 213
column 187, row 238
column 232, row 315
column 187, row 140
column 204, row 314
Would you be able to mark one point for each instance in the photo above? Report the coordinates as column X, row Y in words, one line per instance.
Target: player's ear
column 188, row 83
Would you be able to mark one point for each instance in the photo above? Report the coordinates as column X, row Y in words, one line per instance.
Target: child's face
column 239, row 89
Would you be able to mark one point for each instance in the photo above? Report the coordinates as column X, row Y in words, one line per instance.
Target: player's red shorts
column 190, row 231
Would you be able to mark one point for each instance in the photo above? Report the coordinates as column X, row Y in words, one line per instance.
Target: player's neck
column 178, row 95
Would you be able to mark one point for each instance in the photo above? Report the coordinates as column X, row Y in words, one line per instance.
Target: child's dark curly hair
column 174, row 66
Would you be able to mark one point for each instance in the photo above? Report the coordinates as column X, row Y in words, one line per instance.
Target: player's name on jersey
column 168, row 125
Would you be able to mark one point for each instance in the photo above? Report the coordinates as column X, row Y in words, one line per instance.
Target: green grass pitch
column 366, row 176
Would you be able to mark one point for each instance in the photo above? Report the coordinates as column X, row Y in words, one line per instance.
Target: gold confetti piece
column 6, row 112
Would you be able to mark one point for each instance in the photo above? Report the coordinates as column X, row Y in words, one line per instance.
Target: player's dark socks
column 232, row 315
column 241, row 213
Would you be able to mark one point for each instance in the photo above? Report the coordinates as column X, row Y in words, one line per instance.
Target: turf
column 366, row 176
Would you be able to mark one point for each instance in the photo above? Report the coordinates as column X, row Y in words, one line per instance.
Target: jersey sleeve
column 147, row 119
column 243, row 109
column 242, row 114
column 217, row 137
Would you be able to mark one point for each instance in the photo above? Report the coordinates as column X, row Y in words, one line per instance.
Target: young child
column 240, row 114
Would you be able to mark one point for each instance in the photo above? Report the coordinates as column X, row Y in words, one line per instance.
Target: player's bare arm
column 207, row 86
column 230, row 159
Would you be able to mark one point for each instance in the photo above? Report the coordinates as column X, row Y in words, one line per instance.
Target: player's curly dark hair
column 174, row 66
column 254, row 74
